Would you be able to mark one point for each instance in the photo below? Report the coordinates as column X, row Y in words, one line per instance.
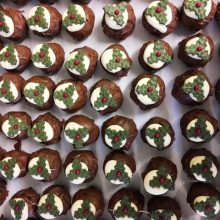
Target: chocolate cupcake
column 81, row 63
column 148, row 91
column 10, row 88
column 196, row 50
column 160, row 18
column 20, row 2
column 46, row 129
column 155, row 55
column 126, row 203
column 163, row 207
column 196, row 14
column 45, row 165
column 198, row 126
column 192, row 88
column 81, row 1
column 54, row 202
column 38, row 92
column 87, row 204
column 119, row 168
column 45, row 21
column 80, row 131
column 23, row 204
column 48, row 57
column 3, row 191
column 80, row 166
column 15, row 125
column 70, row 95
column 13, row 24
column 158, row 133
column 119, row 20
column 159, row 176
column 204, row 199
column 78, row 20
column 48, row 1
column 116, row 61
column 200, row 164
column 106, row 97
column 15, row 57
column 118, row 132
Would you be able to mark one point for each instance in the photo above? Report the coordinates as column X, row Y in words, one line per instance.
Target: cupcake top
column 19, row 209
column 163, row 214
column 6, row 25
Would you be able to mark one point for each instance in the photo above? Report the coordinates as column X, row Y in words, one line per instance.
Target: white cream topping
column 155, row 23
column 5, row 128
column 173, row 217
column 24, row 213
column 13, row 90
column 47, row 16
column 57, row 202
column 10, row 24
column 6, row 64
column 33, row 85
column 76, row 27
column 144, row 98
column 16, row 169
column 154, row 190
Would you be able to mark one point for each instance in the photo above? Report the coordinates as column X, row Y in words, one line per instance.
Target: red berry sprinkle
column 158, row 10
column 117, row 12
column 39, row 169
column 196, row 88
column 77, row 172
column 37, row 18
column 1, row 23
column 208, row 208
column 76, row 62
column 17, row 208
column 7, row 54
column 6, row 167
column 104, row 100
column 86, row 212
column 118, row 173
column 149, row 89
column 198, row 131
column 36, row 93
column 157, row 135
column 198, row 4
column 125, row 209
column 205, row 169
column 37, row 131
column 118, row 60
column 4, row 91
column 65, row 95
column 72, row 17
column 116, row 139
column 49, row 206
column 162, row 179
column 41, row 54
column 158, row 54
column 161, row 218
column 15, row 126
column 199, row 48
column 78, row 137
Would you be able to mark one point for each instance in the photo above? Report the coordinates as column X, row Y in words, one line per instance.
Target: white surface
column 169, row 109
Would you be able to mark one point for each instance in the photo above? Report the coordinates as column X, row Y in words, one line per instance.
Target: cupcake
column 3, row 190
column 20, row 2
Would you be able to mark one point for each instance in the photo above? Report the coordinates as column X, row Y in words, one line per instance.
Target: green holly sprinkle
column 125, row 209
column 149, row 89
column 5, row 91
column 207, row 207
column 158, row 215
column 18, row 207
column 199, row 7
column 39, row 18
column 77, row 63
column 73, row 17
column 118, row 173
column 159, row 54
column 42, row 56
column 199, row 48
column 84, row 212
column 116, row 11
column 162, row 180
column 105, row 99
column 9, row 55
column 40, row 169
column 117, row 137
column 8, row 167
column 3, row 26
column 158, row 11
column 49, row 206
column 199, row 130
column 38, row 131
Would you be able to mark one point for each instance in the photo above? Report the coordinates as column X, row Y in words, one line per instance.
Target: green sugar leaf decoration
column 158, row 11
column 77, row 63
column 117, row 61
column 125, row 209
column 118, row 173
column 66, row 95
column 40, row 169
column 77, row 136
column 199, row 48
column 117, row 137
column 204, row 169
column 73, row 17
column 39, row 18
column 150, row 89
column 77, row 171
column 195, row 88
column 158, row 215
column 162, row 180
column 8, row 167
column 199, row 7
column 116, row 11
column 3, row 27
column 105, row 99
column 85, row 211
column 18, row 207
column 159, row 54
column 207, row 207
column 49, row 207
column 158, row 135
column 5, row 91
column 38, row 131
column 199, row 130
column 9, row 55
column 36, row 94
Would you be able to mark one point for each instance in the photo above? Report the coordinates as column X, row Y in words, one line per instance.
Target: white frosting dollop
column 10, row 24
column 5, row 128
column 13, row 90
column 16, row 169
column 24, row 212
